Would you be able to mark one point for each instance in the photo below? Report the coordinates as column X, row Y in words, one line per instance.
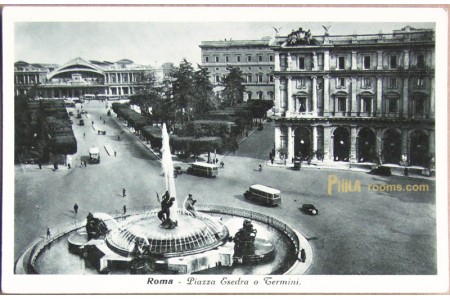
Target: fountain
column 181, row 238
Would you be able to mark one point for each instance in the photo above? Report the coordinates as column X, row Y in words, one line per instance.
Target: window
column 419, row 105
column 301, row 82
column 392, row 105
column 367, row 82
column 249, row 95
column 270, row 78
column 206, row 59
column 393, row 82
column 366, row 104
column 341, row 62
column 238, row 58
column 249, row 58
column 420, row 82
column 366, row 62
column 420, row 61
column 341, row 82
column 260, row 78
column 260, row 58
column 301, row 104
column 270, row 57
column 217, row 78
column 341, row 103
column 217, row 69
column 393, row 61
column 301, row 63
column 271, row 95
column 249, row 78
column 260, row 95
column 217, row 59
column 249, row 68
column 227, row 58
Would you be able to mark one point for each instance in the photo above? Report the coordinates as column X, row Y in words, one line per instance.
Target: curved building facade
column 356, row 98
column 79, row 77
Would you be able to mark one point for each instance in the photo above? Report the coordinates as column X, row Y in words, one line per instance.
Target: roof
column 94, row 150
column 203, row 164
column 265, row 189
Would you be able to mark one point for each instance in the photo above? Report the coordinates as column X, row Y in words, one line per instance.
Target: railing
column 39, row 246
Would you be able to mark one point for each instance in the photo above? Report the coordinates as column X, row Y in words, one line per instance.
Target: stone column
column 353, row 139
column 288, row 63
column 431, row 144
column 379, row 100
column 290, row 144
column 315, row 62
column 277, row 102
column 314, row 95
column 432, row 98
column 405, row 141
column 277, row 62
column 326, row 60
column 406, row 59
column 347, row 105
column 354, row 100
column 277, row 141
column 379, row 141
column 314, row 138
column 380, row 59
column 354, row 62
column 405, row 98
column 326, row 95
column 327, row 143
column 288, row 94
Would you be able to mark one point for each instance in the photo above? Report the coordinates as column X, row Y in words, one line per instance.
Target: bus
column 94, row 155
column 263, row 194
column 203, row 169
column 102, row 97
column 89, row 97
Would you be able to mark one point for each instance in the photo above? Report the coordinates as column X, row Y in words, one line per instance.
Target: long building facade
column 356, row 98
column 79, row 77
column 253, row 57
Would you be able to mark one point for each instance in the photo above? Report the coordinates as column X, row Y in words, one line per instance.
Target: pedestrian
column 271, row 159
column 81, row 164
column 48, row 233
column 123, row 192
column 40, row 164
column 84, row 135
column 222, row 165
column 118, row 137
column 85, row 164
column 260, row 167
column 302, row 255
column 75, row 208
column 55, row 165
column 124, row 209
column 68, row 166
column 104, row 121
column 100, row 117
column 115, row 153
column 92, row 122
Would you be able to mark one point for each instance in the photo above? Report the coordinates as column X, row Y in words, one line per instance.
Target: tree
column 147, row 92
column 233, row 93
column 183, row 88
column 203, row 100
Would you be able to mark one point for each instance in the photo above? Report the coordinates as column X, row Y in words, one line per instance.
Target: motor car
column 310, row 209
column 81, row 122
column 71, row 113
column 83, row 112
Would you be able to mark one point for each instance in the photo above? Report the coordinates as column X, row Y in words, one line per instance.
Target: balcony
column 299, row 115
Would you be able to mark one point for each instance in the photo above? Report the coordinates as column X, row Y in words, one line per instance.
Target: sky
column 154, row 43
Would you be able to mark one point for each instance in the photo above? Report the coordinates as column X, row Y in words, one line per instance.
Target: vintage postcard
column 218, row 150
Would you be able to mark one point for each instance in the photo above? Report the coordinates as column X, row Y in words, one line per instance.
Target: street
column 361, row 232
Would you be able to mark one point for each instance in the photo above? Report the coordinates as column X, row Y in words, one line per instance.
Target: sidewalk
column 354, row 167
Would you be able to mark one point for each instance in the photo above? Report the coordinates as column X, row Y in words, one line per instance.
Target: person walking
column 124, row 209
column 124, row 192
column 75, row 208
column 40, row 164
column 85, row 164
column 48, row 233
column 69, row 166
column 222, row 165
column 115, row 153
column 84, row 134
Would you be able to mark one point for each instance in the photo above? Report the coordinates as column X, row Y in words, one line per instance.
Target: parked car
column 310, row 209
column 81, row 122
